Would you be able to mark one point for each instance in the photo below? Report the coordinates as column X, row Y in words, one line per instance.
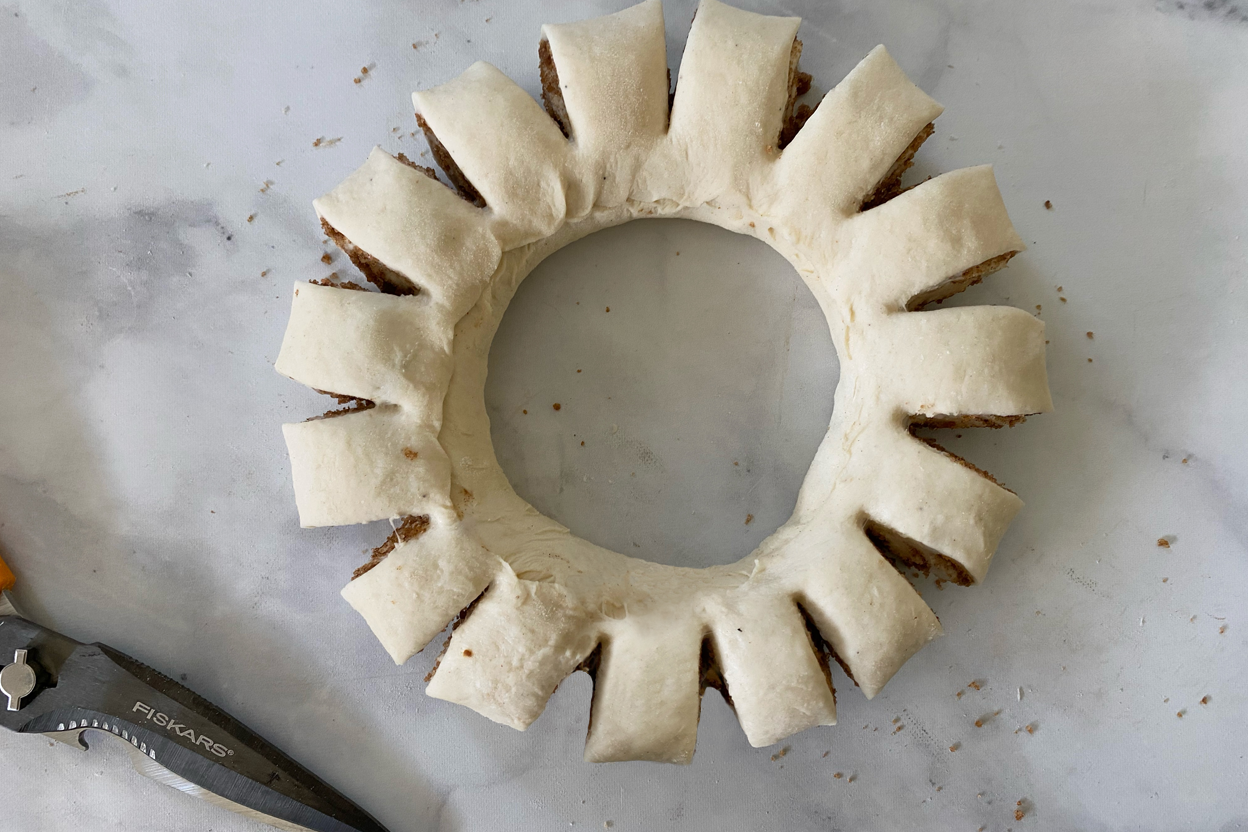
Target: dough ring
column 537, row 602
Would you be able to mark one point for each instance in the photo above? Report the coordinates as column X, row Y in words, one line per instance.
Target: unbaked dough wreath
column 535, row 602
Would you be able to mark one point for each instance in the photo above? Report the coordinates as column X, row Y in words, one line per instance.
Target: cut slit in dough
column 545, row 602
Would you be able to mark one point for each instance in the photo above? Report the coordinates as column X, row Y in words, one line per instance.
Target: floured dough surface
column 540, row 602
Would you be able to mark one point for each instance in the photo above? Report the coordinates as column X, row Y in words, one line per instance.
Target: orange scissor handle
column 7, row 580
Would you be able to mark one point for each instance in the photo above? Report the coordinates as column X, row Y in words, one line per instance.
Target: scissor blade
column 184, row 740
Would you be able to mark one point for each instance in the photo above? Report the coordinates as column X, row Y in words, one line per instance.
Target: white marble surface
column 144, row 489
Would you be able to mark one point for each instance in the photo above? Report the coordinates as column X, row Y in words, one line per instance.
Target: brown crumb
column 525, row 412
column 1183, row 460
column 1204, row 700
column 749, row 518
column 1063, row 300
column 1048, row 204
column 1222, row 630
column 582, row 443
column 1089, row 360
column 1179, row 714
column 327, row 258
column 979, row 723
column 1089, row 336
column 268, row 183
column 852, row 778
column 1038, row 308
column 779, row 754
column 410, row 454
column 955, row 746
column 557, row 406
column 608, row 308
column 1018, row 814
column 960, row 693
column 1165, row 580
column 1163, row 543
column 468, row 654
column 898, row 728
column 363, row 70
column 356, row 79
column 838, row 775
column 251, row 218
column 263, row 273
column 826, row 753
column 975, row 684
column 578, row 371
column 1031, row 729
column 896, row 719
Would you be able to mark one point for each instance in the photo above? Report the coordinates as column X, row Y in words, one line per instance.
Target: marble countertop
column 158, row 165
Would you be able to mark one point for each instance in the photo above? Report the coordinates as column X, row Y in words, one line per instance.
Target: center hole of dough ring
column 734, row 149
column 688, row 413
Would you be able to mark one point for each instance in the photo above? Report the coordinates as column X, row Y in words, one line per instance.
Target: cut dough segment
column 966, row 361
column 730, row 101
column 926, row 236
column 848, row 145
column 511, row 151
column 507, row 657
column 948, row 508
column 437, row 574
column 647, row 693
column 385, row 348
column 416, row 226
column 369, row 465
column 863, row 607
column 612, row 74
column 777, row 685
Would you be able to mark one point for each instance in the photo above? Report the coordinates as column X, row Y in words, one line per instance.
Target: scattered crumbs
column 279, row 162
column 1204, row 700
column 1048, row 205
column 327, row 258
column 488, row 19
column 1038, row 307
column 1059, row 288
column 251, row 218
column 955, row 746
column 734, row 462
column 749, row 518
column 578, row 371
column 979, row 723
column 1163, row 543
column 263, row 273
column 1165, row 580
column 467, row 654
column 1222, row 630
column 1179, row 714
column 410, row 454
column 557, row 406
column 896, row 719
column 960, row 693
column 357, row 79
column 1089, row 360
column 1030, row 728
column 852, row 778
column 582, row 443
column 838, row 775
column 525, row 412
column 418, row 44
column 1183, row 460
column 898, row 728
column 363, row 70
column 826, row 753
column 608, row 308
column 678, row 254
column 1167, row 699
column 1089, row 336
column 268, row 183
column 324, row 142
column 781, row 753
column 1018, row 814
column 975, row 684
column 1063, row 300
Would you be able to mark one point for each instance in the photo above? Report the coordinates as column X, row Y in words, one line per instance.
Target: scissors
column 63, row 689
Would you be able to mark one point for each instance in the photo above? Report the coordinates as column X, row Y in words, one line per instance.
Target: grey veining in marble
column 157, row 164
